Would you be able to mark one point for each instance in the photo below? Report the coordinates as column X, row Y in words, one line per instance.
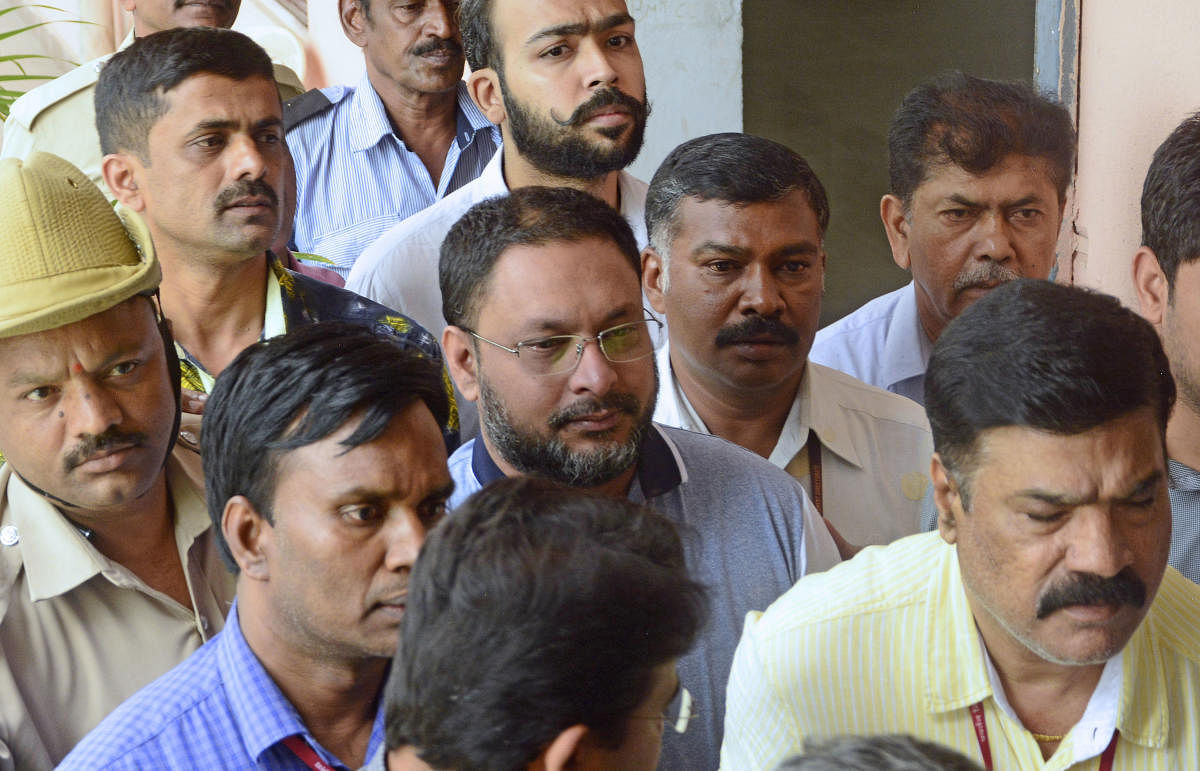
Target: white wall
column 692, row 53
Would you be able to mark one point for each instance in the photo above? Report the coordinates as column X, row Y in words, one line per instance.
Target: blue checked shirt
column 355, row 178
column 218, row 709
column 1184, row 490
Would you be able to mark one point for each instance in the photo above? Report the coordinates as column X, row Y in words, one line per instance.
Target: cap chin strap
column 173, row 374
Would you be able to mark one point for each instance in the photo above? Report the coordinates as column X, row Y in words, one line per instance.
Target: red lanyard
column 979, row 723
column 296, row 744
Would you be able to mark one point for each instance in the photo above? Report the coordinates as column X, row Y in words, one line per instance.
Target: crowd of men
column 549, row 468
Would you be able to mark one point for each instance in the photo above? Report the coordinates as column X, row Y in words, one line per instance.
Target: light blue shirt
column 355, row 178
column 749, row 532
column 882, row 343
column 218, row 709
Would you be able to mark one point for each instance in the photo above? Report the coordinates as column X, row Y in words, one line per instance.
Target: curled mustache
column 605, row 97
column 756, row 328
column 94, row 443
column 626, row 403
column 985, row 273
column 245, row 188
column 1125, row 588
column 449, row 45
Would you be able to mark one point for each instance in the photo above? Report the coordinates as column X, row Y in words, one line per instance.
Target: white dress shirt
column 882, row 343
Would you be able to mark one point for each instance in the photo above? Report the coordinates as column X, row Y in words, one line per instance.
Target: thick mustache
column 756, row 327
column 1125, row 588
column 94, row 443
column 987, row 273
column 448, row 45
column 626, row 403
column 246, row 188
column 605, row 97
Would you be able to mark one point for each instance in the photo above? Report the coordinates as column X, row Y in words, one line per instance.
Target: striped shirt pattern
column 218, row 709
column 886, row 643
column 355, row 178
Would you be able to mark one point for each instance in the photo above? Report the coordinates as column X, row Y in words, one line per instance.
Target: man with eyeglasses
column 542, row 630
column 546, row 331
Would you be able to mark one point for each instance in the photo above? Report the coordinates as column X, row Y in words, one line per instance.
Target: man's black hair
column 732, row 168
column 533, row 608
column 478, row 34
column 130, row 92
column 975, row 123
column 1039, row 355
column 528, row 216
column 297, row 389
column 1171, row 200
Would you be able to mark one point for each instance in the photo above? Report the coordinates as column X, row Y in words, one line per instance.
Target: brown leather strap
column 814, row 469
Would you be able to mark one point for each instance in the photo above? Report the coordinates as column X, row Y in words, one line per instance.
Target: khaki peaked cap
column 65, row 254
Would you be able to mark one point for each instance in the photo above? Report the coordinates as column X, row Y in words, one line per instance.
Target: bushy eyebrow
column 580, row 28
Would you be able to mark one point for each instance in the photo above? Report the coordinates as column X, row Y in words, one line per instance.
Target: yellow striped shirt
column 886, row 643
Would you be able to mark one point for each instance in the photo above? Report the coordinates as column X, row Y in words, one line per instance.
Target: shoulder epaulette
column 303, row 107
column 31, row 104
column 288, row 81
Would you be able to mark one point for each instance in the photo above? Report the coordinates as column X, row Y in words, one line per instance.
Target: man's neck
column 1048, row 698
column 752, row 419
column 518, row 172
column 931, row 324
column 337, row 699
column 1183, row 435
column 140, row 536
column 426, row 122
column 216, row 310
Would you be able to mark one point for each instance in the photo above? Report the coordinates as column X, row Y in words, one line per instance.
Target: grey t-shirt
column 743, row 525
column 1184, row 491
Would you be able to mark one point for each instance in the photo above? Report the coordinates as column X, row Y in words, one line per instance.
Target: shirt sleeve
column 820, row 550
column 759, row 731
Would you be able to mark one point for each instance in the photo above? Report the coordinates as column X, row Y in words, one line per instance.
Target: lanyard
column 979, row 723
column 814, row 469
column 297, row 745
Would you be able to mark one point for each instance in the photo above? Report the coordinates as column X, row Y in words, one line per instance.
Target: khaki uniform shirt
column 79, row 633
column 60, row 117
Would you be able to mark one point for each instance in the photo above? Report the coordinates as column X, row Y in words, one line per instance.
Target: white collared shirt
column 400, row 270
column 882, row 344
column 875, row 448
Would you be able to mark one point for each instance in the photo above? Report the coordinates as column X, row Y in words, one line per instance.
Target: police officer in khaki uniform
column 59, row 117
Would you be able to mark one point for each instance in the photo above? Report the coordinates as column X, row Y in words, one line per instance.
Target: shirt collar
column 1182, row 477
column 956, row 675
column 56, row 555
column 906, row 348
column 816, row 405
column 372, row 124
column 659, row 467
column 263, row 715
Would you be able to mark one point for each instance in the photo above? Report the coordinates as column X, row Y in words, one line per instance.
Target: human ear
column 459, row 351
column 1151, row 285
column 896, row 224
column 947, row 498
column 654, row 279
column 120, row 172
column 248, row 534
column 564, row 750
column 484, row 87
column 354, row 21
